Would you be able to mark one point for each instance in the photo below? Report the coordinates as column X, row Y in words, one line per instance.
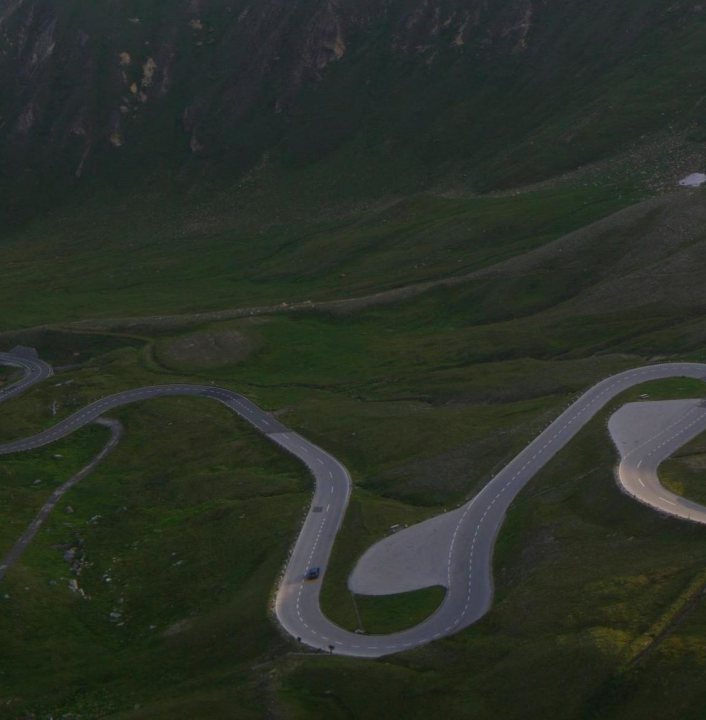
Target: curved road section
column 34, row 371
column 682, row 421
column 469, row 562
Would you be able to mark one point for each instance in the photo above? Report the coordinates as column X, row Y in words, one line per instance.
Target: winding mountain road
column 469, row 563
column 639, row 465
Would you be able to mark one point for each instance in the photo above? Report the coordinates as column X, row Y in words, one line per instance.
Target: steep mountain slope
column 398, row 92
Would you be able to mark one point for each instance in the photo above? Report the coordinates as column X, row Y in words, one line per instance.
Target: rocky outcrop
column 86, row 86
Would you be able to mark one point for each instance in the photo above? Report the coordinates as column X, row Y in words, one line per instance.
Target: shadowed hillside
column 368, row 95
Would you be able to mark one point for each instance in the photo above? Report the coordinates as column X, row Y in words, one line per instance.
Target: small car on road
column 312, row 573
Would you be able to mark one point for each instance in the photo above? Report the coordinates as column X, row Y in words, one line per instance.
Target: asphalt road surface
column 34, row 371
column 469, row 562
column 637, row 472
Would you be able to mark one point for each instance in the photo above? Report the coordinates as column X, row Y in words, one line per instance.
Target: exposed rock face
column 86, row 85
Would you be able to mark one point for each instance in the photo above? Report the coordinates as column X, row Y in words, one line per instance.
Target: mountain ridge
column 477, row 88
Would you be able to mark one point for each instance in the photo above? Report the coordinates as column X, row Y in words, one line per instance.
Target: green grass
column 171, row 263
column 194, row 511
column 390, row 613
column 7, row 375
column 423, row 401
column 63, row 349
column 28, row 479
column 581, row 572
column 684, row 473
column 193, row 505
column 186, row 552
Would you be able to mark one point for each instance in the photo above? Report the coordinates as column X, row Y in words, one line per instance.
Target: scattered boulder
column 693, row 180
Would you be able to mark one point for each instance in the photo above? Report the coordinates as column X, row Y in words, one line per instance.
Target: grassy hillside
column 197, row 512
column 149, row 255
column 494, row 185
